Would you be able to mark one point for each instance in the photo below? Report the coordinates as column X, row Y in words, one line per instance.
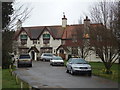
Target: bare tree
column 105, row 45
column 21, row 12
column 82, row 41
column 84, row 48
column 102, row 37
column 101, row 12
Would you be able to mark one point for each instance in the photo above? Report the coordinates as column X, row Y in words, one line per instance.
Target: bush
column 6, row 60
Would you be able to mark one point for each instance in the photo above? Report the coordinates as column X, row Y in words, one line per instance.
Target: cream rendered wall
column 55, row 43
column 92, row 57
column 29, row 42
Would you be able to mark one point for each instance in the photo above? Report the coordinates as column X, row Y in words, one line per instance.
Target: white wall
column 55, row 43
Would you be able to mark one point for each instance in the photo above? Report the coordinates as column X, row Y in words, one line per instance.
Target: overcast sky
column 50, row 12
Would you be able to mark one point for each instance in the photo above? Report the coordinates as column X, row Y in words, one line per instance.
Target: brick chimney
column 86, row 26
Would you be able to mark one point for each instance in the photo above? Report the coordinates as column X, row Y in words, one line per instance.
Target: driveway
column 42, row 75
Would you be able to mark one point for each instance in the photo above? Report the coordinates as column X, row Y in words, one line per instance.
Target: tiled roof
column 34, row 32
column 58, row 32
column 72, row 30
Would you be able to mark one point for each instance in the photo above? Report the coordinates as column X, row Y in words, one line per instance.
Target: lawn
column 0, row 78
column 98, row 69
column 9, row 81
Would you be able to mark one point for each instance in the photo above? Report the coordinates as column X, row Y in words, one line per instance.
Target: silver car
column 46, row 56
column 24, row 59
column 78, row 65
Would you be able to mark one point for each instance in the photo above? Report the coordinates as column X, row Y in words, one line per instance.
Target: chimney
column 86, row 26
column 86, row 22
column 19, row 24
column 64, row 21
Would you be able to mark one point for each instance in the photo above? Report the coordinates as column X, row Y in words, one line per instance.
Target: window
column 23, row 39
column 74, row 51
column 97, row 54
column 23, row 36
column 46, row 41
column 74, row 38
column 34, row 41
column 61, row 51
column 46, row 36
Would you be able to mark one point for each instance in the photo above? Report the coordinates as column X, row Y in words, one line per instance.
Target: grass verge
column 9, row 81
column 98, row 69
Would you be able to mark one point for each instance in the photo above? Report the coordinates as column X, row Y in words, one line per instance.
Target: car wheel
column 52, row 64
column 89, row 74
column 44, row 60
column 30, row 65
column 72, row 72
column 67, row 71
column 18, row 65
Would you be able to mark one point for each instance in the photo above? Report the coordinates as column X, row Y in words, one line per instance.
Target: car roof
column 46, row 53
column 77, row 58
column 57, row 56
column 25, row 54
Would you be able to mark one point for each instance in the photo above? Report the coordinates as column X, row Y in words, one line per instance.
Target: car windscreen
column 79, row 61
column 24, row 57
column 50, row 55
column 57, row 58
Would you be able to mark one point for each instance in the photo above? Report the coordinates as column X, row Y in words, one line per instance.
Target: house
column 61, row 40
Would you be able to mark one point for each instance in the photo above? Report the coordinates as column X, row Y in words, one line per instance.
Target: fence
column 23, row 85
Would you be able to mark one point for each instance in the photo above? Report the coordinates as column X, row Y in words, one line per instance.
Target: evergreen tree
column 7, row 10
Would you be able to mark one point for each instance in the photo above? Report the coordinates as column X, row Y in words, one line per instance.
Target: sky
column 50, row 12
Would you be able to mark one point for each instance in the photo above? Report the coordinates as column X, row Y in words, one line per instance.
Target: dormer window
column 23, row 36
column 46, row 38
column 23, row 39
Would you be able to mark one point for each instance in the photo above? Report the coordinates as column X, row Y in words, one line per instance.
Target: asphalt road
column 42, row 75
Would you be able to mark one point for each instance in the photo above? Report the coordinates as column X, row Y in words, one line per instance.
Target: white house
column 59, row 39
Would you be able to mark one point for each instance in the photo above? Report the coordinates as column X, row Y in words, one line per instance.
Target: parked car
column 24, row 59
column 78, row 65
column 56, row 60
column 46, row 56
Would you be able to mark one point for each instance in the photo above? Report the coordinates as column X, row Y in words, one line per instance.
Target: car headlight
column 89, row 67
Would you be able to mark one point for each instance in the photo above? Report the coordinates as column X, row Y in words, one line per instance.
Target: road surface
column 42, row 75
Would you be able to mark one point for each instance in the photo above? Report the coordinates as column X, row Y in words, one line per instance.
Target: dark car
column 24, row 60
